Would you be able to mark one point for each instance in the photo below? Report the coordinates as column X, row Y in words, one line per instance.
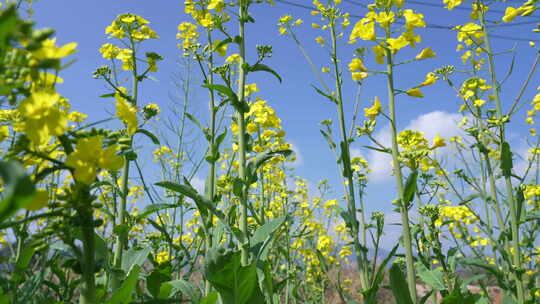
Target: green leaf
column 432, row 277
column 520, row 199
column 124, row 294
column 399, row 287
column 197, row 123
column 150, row 135
column 211, row 298
column 223, row 42
column 506, row 160
column 188, row 289
column 329, row 140
column 134, row 257
column 493, row 269
column 154, row 282
column 23, row 261
column 264, row 68
column 255, row 163
column 330, row 97
column 153, row 208
column 8, row 26
column 378, row 149
column 410, row 188
column 224, row 90
column 4, row 299
column 532, row 217
column 264, row 235
column 19, row 189
column 205, row 206
column 347, row 172
column 109, row 95
column 235, row 283
column 371, row 293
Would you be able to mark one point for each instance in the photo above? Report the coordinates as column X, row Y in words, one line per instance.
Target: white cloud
column 431, row 124
column 299, row 158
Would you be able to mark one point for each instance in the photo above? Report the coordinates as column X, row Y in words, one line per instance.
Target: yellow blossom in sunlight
column 43, row 117
column 469, row 33
column 451, row 4
column 425, row 54
column 373, row 111
column 396, row 44
column 479, row 102
column 325, row 70
column 413, row 20
column 363, row 29
column 89, row 156
column 251, row 128
column 438, row 142
column 188, row 33
column 511, row 13
column 380, row 54
column 216, row 5
column 415, row 92
column 49, row 50
column 385, row 19
column 320, row 40
column 109, row 51
column 329, row 204
column 4, row 133
column 126, row 56
column 357, row 65
column 126, row 112
column 431, row 78
column 359, row 75
column 250, row 89
column 163, row 257
column 234, row 58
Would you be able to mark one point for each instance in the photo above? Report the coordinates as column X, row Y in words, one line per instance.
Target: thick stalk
column 88, row 292
column 406, row 230
column 514, row 222
column 212, row 173
column 346, row 159
column 121, row 238
column 244, row 247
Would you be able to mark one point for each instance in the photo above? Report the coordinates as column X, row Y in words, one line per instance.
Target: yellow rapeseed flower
column 438, row 142
column 43, row 117
column 126, row 112
column 415, row 92
column 89, row 156
column 49, row 50
column 451, row 4
column 425, row 54
column 357, row 65
column 373, row 111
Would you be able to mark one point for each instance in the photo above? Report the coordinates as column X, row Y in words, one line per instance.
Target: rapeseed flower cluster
column 89, row 157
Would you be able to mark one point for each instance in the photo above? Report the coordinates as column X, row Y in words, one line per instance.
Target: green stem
column 514, row 222
column 346, row 159
column 121, row 238
column 406, row 230
column 212, row 173
column 88, row 292
column 244, row 247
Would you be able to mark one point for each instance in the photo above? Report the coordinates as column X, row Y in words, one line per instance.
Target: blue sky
column 300, row 108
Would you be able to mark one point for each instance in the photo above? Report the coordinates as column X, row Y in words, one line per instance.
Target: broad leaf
column 399, row 287
column 123, row 295
column 262, row 67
